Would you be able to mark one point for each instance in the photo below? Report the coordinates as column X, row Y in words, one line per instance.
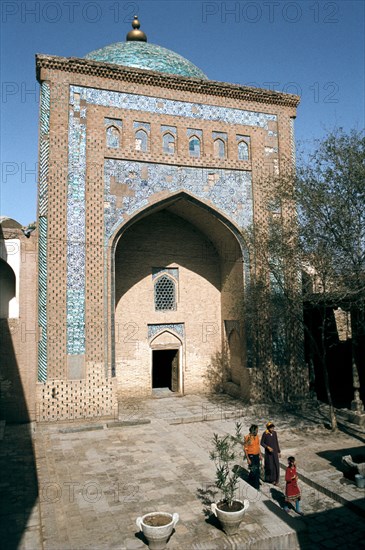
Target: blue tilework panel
column 113, row 122
column 145, row 125
column 76, row 237
column 220, row 135
column 112, row 138
column 228, row 190
column 178, row 328
column 173, row 271
column 194, row 132
column 197, row 111
column 247, row 139
column 171, row 129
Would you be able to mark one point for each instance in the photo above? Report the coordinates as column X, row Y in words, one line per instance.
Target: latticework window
column 165, row 294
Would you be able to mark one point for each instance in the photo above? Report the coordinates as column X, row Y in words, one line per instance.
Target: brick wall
column 210, row 290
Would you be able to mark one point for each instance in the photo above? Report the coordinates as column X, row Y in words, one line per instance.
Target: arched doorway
column 179, row 268
column 7, row 288
column 166, row 363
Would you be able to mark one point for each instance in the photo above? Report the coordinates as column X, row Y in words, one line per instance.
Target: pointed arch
column 175, row 198
column 219, row 236
column 8, row 288
column 168, row 143
column 166, row 338
column 141, row 141
column 220, row 149
column 112, row 137
column 243, row 150
column 194, row 146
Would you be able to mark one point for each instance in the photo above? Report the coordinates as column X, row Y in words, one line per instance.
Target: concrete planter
column 157, row 528
column 230, row 521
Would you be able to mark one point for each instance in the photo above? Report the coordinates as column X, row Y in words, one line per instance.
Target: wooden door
column 175, row 372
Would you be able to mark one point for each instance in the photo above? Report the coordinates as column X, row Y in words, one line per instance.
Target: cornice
column 153, row 78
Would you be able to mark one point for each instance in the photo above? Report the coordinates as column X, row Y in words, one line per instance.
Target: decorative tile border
column 42, row 228
column 171, row 129
column 160, row 106
column 42, row 299
column 76, row 235
column 173, row 271
column 178, row 328
column 229, row 191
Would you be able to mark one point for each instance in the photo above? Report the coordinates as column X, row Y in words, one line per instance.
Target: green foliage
column 316, row 227
column 330, row 194
column 224, row 456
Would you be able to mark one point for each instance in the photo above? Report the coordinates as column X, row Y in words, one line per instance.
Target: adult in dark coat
column 269, row 441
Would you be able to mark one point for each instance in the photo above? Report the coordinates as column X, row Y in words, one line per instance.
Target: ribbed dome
column 146, row 56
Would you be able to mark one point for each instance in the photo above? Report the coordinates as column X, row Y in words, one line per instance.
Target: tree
column 317, row 220
column 330, row 194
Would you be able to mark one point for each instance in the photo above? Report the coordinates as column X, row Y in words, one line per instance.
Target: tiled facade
column 125, row 197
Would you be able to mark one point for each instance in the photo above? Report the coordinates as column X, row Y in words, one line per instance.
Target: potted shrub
column 228, row 510
column 157, row 527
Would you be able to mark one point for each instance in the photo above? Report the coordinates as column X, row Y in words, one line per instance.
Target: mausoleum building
column 150, row 176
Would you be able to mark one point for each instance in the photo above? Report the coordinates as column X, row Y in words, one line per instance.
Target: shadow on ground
column 17, row 463
column 336, row 528
column 334, row 457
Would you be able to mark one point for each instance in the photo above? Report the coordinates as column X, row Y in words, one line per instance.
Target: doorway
column 165, row 369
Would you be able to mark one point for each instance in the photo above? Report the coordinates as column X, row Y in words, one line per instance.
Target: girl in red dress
column 292, row 491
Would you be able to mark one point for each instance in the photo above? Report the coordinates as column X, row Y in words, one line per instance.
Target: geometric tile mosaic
column 156, row 105
column 228, row 190
column 178, row 328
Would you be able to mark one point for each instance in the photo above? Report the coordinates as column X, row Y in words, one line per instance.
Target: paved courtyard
column 83, row 484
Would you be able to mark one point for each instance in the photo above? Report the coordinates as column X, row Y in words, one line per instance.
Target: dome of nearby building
column 136, row 52
column 9, row 223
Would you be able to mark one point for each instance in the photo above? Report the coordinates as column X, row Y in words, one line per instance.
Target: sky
column 311, row 48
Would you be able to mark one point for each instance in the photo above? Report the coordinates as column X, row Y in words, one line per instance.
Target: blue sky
column 312, row 48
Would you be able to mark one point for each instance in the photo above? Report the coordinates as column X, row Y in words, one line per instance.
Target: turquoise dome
column 143, row 55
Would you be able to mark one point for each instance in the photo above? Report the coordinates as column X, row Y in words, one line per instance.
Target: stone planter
column 230, row 520
column 157, row 528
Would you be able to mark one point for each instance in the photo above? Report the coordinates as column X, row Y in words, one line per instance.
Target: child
column 292, row 491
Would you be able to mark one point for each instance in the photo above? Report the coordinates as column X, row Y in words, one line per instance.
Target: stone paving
column 96, row 478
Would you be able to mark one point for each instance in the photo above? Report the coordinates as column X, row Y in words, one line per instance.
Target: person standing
column 292, row 491
column 270, row 442
column 251, row 446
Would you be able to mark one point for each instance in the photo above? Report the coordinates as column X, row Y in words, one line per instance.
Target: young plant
column 224, row 456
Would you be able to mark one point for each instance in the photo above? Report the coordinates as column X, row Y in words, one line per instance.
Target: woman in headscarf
column 252, row 450
column 269, row 441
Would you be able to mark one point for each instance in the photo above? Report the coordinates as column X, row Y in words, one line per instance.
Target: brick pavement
column 93, row 484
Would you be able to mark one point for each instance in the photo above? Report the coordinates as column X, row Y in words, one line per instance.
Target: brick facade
column 18, row 323
column 111, row 215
